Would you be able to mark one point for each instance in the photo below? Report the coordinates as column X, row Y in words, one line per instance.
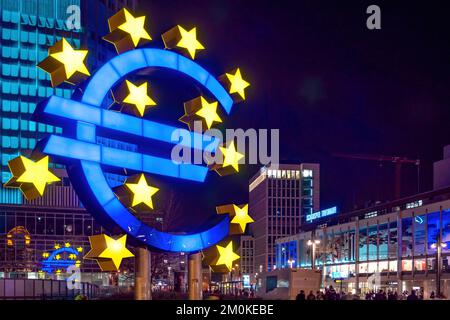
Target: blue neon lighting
column 50, row 264
column 79, row 150
column 123, row 64
column 88, row 159
column 321, row 214
column 57, row 111
column 418, row 219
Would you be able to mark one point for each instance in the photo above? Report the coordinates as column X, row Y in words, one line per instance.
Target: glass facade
column 373, row 245
column 45, row 229
column 28, row 28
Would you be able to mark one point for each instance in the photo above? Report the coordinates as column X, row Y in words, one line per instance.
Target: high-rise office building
column 28, row 28
column 246, row 254
column 279, row 201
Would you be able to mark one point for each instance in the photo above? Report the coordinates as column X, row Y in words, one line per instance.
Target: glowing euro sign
column 50, row 263
column 83, row 119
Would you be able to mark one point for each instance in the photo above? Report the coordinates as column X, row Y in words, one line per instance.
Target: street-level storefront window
column 363, row 268
column 420, row 265
column 393, row 266
column 383, row 266
column 407, row 237
column 431, row 263
column 407, row 265
column 351, row 269
column 372, row 267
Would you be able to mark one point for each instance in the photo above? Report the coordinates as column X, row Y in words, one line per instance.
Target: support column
column 142, row 283
column 357, row 289
column 195, row 276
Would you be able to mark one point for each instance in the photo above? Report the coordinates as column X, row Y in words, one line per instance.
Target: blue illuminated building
column 28, row 28
column 395, row 240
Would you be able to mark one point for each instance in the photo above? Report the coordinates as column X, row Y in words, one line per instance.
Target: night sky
column 330, row 84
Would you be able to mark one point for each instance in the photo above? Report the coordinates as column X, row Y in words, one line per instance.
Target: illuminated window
column 307, row 173
column 406, row 265
column 383, row 266
column 392, row 266
column 407, row 237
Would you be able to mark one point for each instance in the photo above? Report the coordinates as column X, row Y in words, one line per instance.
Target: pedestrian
column 432, row 295
column 319, row 295
column 311, row 296
column 300, row 295
column 412, row 296
column 332, row 293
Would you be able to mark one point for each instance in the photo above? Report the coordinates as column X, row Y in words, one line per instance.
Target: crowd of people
column 331, row 294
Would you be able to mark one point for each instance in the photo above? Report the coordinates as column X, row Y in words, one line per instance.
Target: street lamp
column 438, row 246
column 313, row 244
column 291, row 262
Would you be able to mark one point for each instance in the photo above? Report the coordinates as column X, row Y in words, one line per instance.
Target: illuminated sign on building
column 246, row 280
column 339, row 274
column 321, row 214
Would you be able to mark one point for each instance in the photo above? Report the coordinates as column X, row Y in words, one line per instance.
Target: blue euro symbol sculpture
column 83, row 120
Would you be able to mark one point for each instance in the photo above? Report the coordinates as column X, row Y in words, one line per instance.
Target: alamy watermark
column 73, row 22
column 260, row 146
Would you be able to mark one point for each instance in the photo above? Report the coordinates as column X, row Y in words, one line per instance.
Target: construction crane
column 398, row 161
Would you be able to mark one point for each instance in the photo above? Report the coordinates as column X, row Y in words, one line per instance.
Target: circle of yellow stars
column 68, row 64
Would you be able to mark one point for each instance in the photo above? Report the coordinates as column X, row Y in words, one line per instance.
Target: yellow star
column 189, row 41
column 73, row 60
column 142, row 192
column 231, row 156
column 57, row 257
column 80, row 249
column 138, row 97
column 226, row 256
column 45, row 255
column 67, row 244
column 134, row 27
column 57, row 246
column 31, row 177
column 108, row 252
column 238, row 84
column 241, row 216
column 209, row 112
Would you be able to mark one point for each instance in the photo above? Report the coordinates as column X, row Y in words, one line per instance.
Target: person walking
column 311, row 296
column 412, row 296
column 300, row 295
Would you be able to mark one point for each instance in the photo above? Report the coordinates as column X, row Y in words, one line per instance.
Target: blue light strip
column 110, row 205
column 118, row 67
column 81, row 150
column 50, row 263
column 321, row 214
column 57, row 110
